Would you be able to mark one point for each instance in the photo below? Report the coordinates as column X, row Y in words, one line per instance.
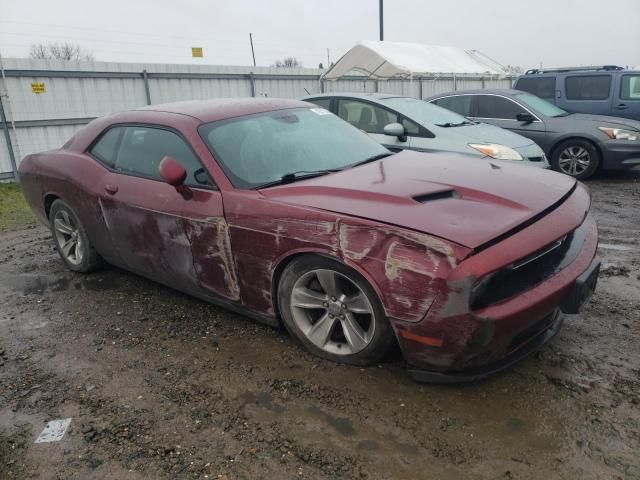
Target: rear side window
column 630, row 87
column 588, row 87
column 321, row 102
column 543, row 87
column 105, row 149
column 491, row 106
column 461, row 104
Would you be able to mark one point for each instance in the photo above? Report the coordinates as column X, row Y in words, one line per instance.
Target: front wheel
column 333, row 311
column 576, row 158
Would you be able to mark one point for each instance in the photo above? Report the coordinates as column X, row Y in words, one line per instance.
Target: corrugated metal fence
column 46, row 102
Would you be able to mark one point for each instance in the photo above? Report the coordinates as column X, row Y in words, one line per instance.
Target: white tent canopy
column 387, row 60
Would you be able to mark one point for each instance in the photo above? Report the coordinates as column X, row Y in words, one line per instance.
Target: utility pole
column 252, row 52
column 381, row 21
column 328, row 59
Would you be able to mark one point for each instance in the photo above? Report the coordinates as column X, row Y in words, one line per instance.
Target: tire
column 333, row 311
column 71, row 240
column 575, row 157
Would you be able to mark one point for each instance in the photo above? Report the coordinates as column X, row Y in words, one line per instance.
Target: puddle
column 342, row 424
column 39, row 284
column 613, row 246
column 262, row 399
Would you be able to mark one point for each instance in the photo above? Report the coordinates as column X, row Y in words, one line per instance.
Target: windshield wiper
column 372, row 159
column 449, row 124
column 298, row 175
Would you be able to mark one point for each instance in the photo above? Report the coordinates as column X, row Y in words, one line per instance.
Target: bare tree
column 288, row 62
column 59, row 51
column 514, row 69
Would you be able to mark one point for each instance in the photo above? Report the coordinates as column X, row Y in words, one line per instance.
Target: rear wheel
column 333, row 311
column 71, row 239
column 576, row 158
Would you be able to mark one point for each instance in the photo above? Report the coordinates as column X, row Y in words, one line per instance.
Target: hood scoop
column 431, row 196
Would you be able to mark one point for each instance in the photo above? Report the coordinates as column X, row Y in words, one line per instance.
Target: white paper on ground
column 54, row 431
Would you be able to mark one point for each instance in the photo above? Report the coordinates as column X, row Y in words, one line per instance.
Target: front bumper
column 550, row 326
column 620, row 154
column 456, row 340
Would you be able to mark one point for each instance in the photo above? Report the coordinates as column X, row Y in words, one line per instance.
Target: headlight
column 494, row 150
column 620, row 133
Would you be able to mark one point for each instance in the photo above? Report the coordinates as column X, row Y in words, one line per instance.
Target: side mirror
column 396, row 130
column 172, row 171
column 525, row 117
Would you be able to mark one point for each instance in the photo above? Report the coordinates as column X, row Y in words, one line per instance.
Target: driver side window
column 365, row 116
column 139, row 150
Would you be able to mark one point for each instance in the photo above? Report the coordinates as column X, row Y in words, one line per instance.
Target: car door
column 162, row 232
column 502, row 112
column 586, row 93
column 627, row 96
column 372, row 119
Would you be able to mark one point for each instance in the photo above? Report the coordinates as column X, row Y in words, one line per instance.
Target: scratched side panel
column 407, row 269
column 262, row 232
column 213, row 260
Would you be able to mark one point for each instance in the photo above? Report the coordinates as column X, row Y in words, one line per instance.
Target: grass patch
column 14, row 210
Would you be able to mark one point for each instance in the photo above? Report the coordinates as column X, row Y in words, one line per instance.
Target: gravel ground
column 160, row 385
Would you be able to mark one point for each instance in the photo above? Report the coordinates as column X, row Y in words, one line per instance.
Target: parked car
column 282, row 211
column 401, row 123
column 576, row 144
column 605, row 90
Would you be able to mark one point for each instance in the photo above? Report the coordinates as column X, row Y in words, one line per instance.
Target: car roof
column 360, row 95
column 490, row 91
column 214, row 109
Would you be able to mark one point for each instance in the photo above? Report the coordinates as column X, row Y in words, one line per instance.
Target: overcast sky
column 554, row 32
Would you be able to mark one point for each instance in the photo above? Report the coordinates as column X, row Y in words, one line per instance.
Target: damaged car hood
column 464, row 200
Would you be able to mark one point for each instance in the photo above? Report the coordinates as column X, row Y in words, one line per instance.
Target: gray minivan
column 605, row 90
column 401, row 123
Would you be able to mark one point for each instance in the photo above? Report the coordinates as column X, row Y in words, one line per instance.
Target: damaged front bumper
column 552, row 324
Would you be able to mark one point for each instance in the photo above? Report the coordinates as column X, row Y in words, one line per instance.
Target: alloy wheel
column 332, row 312
column 574, row 160
column 68, row 237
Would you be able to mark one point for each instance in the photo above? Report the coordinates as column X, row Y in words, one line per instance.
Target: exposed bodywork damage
column 212, row 255
column 406, row 268
column 414, row 266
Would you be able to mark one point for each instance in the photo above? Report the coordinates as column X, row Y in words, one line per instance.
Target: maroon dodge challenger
column 283, row 211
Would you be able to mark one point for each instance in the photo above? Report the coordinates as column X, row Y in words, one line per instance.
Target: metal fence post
column 482, row 82
column 7, row 138
column 253, row 84
column 455, row 83
column 321, row 85
column 420, row 87
column 377, row 86
column 147, row 92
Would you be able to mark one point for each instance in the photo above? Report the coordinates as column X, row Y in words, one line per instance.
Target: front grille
column 536, row 159
column 529, row 271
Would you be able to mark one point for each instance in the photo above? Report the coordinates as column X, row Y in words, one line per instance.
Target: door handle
column 621, row 106
column 111, row 189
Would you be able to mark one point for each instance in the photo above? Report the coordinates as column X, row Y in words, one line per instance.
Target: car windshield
column 258, row 150
column 542, row 106
column 425, row 113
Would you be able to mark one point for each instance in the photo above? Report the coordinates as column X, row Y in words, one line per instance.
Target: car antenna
column 306, row 91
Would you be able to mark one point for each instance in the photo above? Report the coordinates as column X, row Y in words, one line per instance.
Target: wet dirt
column 160, row 385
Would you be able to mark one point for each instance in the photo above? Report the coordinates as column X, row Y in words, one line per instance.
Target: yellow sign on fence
column 197, row 52
column 37, row 87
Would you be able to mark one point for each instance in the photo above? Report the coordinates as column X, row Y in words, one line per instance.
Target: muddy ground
column 160, row 385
